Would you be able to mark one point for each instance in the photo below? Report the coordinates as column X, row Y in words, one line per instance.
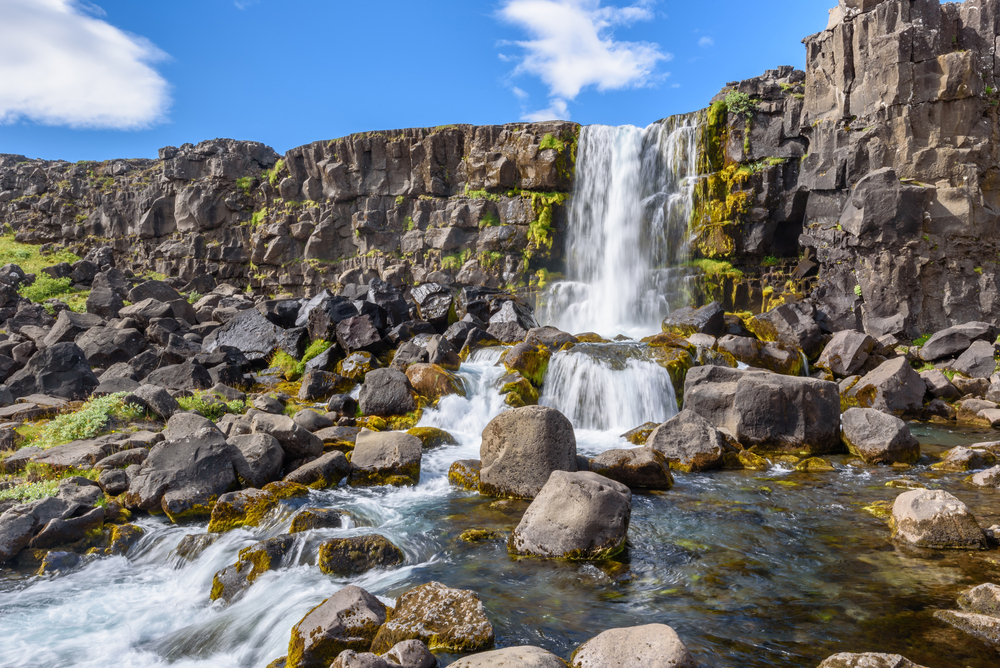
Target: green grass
column 770, row 261
column 243, row 184
column 45, row 287
column 715, row 268
column 921, row 340
column 30, row 491
column 211, row 410
column 88, row 422
column 549, row 141
column 489, row 219
column 28, row 257
column 293, row 369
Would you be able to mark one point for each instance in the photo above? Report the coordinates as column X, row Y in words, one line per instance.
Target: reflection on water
column 752, row 569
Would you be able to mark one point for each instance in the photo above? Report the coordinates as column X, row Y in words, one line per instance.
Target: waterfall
column 609, row 386
column 628, row 222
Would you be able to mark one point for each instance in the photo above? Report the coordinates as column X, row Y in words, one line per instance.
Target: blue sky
column 121, row 78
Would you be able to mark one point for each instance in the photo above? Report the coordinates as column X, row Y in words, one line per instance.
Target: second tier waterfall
column 628, row 221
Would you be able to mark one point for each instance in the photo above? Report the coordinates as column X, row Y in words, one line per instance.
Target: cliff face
column 480, row 205
column 897, row 184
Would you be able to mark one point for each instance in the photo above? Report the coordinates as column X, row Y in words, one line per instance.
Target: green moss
column 540, row 230
column 549, row 141
column 45, row 287
column 208, row 407
column 243, row 184
column 287, row 364
column 479, row 535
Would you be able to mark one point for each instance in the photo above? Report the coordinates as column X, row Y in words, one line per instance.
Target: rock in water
column 867, row 660
column 512, row 657
column 347, row 620
column 521, row 448
column 357, row 554
column 643, row 468
column 689, row 442
column 240, row 509
column 649, row 646
column 935, row 519
column 386, row 392
column 767, row 410
column 894, row 387
column 252, row 562
column 326, row 471
column 411, row 654
column 386, row 458
column 878, row 438
column 581, row 516
column 446, row 619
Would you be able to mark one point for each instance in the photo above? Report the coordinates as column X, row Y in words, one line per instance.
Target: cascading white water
column 609, row 387
column 628, row 222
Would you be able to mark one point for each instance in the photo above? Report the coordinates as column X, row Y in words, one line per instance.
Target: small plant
column 770, row 261
column 489, row 219
column 286, row 364
column 243, row 184
column 921, row 340
column 741, row 104
column 978, row 270
column 410, row 225
column 857, row 290
column 550, row 141
column 258, row 218
column 193, row 297
column 213, row 409
column 87, row 422
column 45, row 287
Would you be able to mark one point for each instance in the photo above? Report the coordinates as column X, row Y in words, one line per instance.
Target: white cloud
column 519, row 94
column 243, row 4
column 706, row 42
column 557, row 110
column 572, row 45
column 59, row 65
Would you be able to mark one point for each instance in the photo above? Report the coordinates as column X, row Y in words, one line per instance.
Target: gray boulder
column 988, row 478
column 846, row 353
column 386, row 392
column 447, row 619
column 16, row 530
column 185, row 376
column 386, row 458
column 60, row 371
column 104, row 302
column 260, row 459
column 878, row 438
column 709, row 319
column 649, row 646
column 347, row 620
column 69, row 325
column 326, row 471
column 894, row 387
column 978, row 361
column 511, row 323
column 580, row 516
column 294, row 439
column 157, row 400
column 356, row 554
column 643, row 468
column 955, row 340
column 689, row 442
column 935, row 519
column 351, row 659
column 521, row 448
column 512, row 657
column 770, row 411
column 104, row 346
column 867, row 660
column 938, row 384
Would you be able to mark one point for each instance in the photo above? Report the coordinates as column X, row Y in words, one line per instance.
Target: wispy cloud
column 519, row 94
column 706, row 42
column 243, row 4
column 61, row 65
column 557, row 110
column 572, row 47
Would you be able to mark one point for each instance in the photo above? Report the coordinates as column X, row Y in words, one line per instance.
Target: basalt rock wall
column 473, row 205
column 883, row 154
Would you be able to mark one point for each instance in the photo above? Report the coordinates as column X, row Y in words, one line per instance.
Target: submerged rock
column 446, row 619
column 644, row 468
column 935, row 519
column 649, row 646
column 347, row 620
column 867, row 660
column 252, row 562
column 580, row 516
column 521, row 448
column 878, row 438
column 357, row 554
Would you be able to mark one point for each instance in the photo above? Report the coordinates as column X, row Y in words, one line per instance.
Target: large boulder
column 978, row 361
column 867, row 660
column 256, row 336
column 709, row 319
column 59, row 371
column 16, row 531
column 511, row 323
column 104, row 346
column 955, row 340
column 791, row 325
column 183, row 477
column 347, row 620
column 385, row 458
column 446, row 619
column 649, row 646
column 847, row 353
column 245, row 508
column 260, row 459
column 296, row 441
column 185, row 376
column 580, row 516
column 643, row 468
column 69, row 325
column 325, row 471
column 386, row 392
column 689, row 442
column 878, row 438
column 521, row 448
column 768, row 355
column 767, row 410
column 512, row 657
column 893, row 387
column 432, row 381
column 935, row 519
column 343, row 557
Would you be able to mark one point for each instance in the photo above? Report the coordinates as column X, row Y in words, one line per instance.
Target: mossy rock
column 639, row 435
column 433, row 381
column 590, row 337
column 669, row 340
column 308, row 519
column 529, row 360
column 403, row 422
column 880, row 509
column 251, row 563
column 677, row 362
column 518, row 391
column 465, row 474
column 120, row 539
column 286, row 490
column 445, row 619
column 481, row 535
column 356, row 365
column 352, row 556
column 239, row 509
column 902, row 483
column 786, row 459
column 373, row 423
column 762, row 329
column 815, row 464
column 432, row 437
column 751, row 461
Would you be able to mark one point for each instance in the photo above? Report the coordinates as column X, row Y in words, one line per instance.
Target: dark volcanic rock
column 60, row 370
column 386, row 392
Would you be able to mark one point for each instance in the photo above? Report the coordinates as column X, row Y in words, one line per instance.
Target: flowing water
column 627, row 232
column 753, row 569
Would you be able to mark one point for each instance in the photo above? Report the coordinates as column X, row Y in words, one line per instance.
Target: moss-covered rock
column 481, row 535
column 590, row 337
column 433, row 381
column 445, row 619
column 243, row 508
column 465, row 474
column 320, row 518
column 356, row 365
column 669, row 340
column 357, row 554
column 677, row 362
column 639, row 435
column 286, row 490
column 751, row 461
column 119, row 538
column 518, row 391
column 432, row 437
column 252, row 562
column 814, row 464
column 349, row 619
column 529, row 360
